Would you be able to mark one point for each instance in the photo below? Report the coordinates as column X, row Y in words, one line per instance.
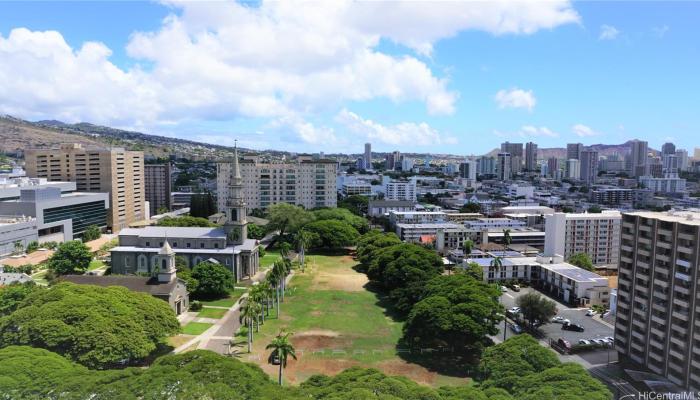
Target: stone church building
column 137, row 252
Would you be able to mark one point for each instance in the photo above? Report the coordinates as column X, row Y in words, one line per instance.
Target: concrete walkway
column 218, row 336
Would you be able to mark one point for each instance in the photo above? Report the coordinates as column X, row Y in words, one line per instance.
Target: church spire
column 235, row 226
column 235, row 169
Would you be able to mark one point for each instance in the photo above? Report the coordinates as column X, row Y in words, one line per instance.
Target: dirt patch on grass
column 319, row 339
column 412, row 371
column 347, row 281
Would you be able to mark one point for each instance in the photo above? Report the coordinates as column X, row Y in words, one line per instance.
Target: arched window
column 142, row 263
column 164, row 264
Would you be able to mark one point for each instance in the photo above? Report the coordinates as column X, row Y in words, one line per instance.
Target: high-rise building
column 368, row 156
column 639, row 158
column 393, row 160
column 531, row 156
column 158, row 187
column 304, row 181
column 115, row 171
column 573, row 169
column 682, row 159
column 668, row 148
column 407, row 164
column 486, row 165
column 595, row 234
column 589, row 166
column 657, row 324
column 503, row 167
column 400, row 190
column 553, row 170
column 516, row 156
column 467, row 169
column 573, row 151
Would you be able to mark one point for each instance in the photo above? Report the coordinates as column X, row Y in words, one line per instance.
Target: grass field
column 195, row 328
column 226, row 302
column 95, row 264
column 337, row 323
column 216, row 313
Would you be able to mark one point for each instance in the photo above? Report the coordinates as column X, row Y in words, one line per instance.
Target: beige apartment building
column 658, row 321
column 305, row 181
column 115, row 171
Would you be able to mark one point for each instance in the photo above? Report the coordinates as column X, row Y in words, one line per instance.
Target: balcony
column 659, row 320
column 686, row 236
column 683, row 249
column 680, row 315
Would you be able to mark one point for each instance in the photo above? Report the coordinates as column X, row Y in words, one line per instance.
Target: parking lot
column 594, row 329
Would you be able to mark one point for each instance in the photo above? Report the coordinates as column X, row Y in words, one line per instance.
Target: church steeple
column 235, row 227
column 166, row 263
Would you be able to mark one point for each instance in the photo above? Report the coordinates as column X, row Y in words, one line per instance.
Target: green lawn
column 227, row 301
column 195, row 328
column 95, row 264
column 269, row 258
column 216, row 313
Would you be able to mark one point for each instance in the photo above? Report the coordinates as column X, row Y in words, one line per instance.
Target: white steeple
column 166, row 263
column 235, row 226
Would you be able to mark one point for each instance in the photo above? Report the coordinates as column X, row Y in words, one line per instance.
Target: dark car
column 573, row 327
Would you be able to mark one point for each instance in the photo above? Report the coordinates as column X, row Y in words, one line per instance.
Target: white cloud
column 608, row 32
column 278, row 60
column 660, row 31
column 528, row 131
column 584, row 131
column 405, row 133
column 515, row 98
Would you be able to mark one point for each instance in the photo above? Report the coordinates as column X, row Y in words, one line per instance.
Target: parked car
column 590, row 312
column 504, row 289
column 573, row 327
column 515, row 310
column 601, row 342
column 516, row 288
column 584, row 342
column 516, row 328
column 564, row 343
column 560, row 320
column 610, row 339
column 274, row 358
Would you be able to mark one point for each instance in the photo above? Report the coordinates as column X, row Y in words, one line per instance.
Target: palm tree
column 256, row 294
column 497, row 263
column 273, row 282
column 303, row 242
column 249, row 312
column 284, row 349
column 506, row 238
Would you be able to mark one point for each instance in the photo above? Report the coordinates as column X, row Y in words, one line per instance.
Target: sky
column 440, row 77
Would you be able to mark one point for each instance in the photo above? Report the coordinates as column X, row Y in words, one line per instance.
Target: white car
column 515, row 310
column 599, row 341
column 610, row 339
column 584, row 342
column 590, row 312
column 504, row 289
column 560, row 320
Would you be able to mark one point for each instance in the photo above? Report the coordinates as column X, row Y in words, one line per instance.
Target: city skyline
column 564, row 73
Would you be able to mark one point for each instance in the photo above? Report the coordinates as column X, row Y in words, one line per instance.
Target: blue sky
column 454, row 78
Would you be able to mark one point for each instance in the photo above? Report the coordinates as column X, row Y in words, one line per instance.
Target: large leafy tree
column 331, row 234
column 213, row 280
column 91, row 233
column 287, row 218
column 202, row 205
column 356, row 204
column 371, row 242
column 567, row 382
column 341, row 214
column 504, row 364
column 456, row 310
column 70, row 258
column 11, row 296
column 535, row 307
column 403, row 270
column 256, row 231
column 582, row 260
column 96, row 326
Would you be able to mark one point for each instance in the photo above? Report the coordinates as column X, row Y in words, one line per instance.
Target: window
column 189, row 245
column 148, row 244
column 216, row 245
column 201, row 245
column 160, row 244
column 174, row 244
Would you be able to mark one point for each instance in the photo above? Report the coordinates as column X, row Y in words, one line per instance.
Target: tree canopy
column 341, row 214
column 202, row 205
column 331, row 234
column 96, row 326
column 91, row 233
column 186, row 221
column 11, row 296
column 287, row 218
column 372, row 242
column 356, row 204
column 213, row 280
column 403, row 270
column 456, row 310
column 256, row 231
column 582, row 260
column 70, row 258
column 471, row 207
column 536, row 307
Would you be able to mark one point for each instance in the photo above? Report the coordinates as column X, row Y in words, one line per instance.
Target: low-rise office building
column 452, row 235
column 59, row 216
column 416, row 217
column 16, row 231
column 377, row 208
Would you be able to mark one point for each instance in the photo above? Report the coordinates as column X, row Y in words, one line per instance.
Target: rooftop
column 144, row 284
column 689, row 217
column 175, row 232
column 440, row 225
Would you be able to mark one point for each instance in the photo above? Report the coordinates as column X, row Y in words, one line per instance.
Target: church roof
column 175, row 232
column 142, row 284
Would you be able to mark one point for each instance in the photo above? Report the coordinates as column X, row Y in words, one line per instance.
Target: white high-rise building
column 400, row 190
column 573, row 169
column 596, row 234
column 305, row 181
column 682, row 159
column 467, row 169
column 407, row 164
